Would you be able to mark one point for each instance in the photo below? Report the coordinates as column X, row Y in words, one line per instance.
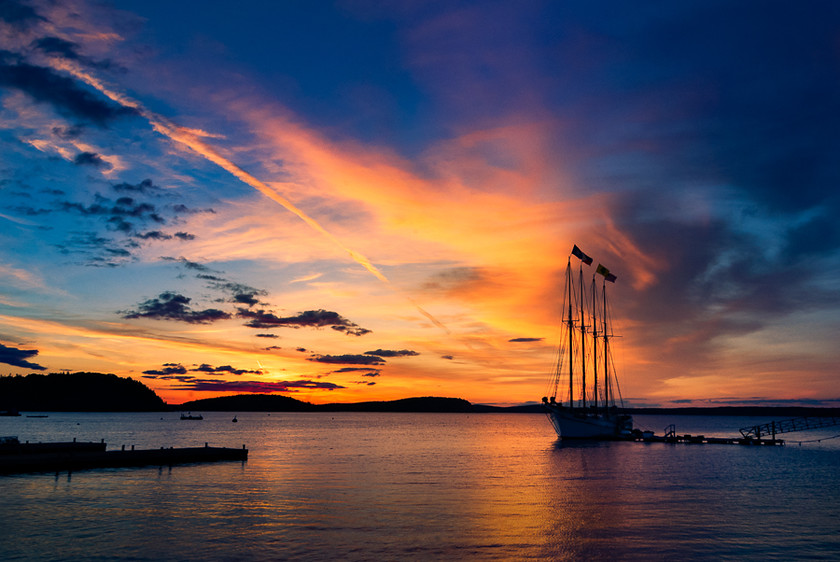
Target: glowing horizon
column 205, row 216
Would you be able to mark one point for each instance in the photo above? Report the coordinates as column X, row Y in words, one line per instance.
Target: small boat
column 191, row 417
column 234, row 420
column 36, row 416
column 586, row 412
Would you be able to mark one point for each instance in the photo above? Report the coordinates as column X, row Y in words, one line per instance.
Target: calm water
column 358, row 486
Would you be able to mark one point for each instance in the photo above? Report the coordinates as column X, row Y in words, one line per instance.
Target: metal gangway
column 786, row 426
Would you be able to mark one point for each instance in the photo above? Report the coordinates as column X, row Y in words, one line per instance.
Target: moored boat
column 587, row 410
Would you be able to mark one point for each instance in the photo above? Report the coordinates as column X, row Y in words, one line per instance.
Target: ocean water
column 358, row 486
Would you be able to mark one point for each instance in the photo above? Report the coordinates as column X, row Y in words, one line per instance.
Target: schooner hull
column 580, row 425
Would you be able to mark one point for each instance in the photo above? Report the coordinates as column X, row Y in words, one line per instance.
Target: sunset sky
column 360, row 200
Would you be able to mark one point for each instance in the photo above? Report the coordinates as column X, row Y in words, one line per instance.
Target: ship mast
column 594, row 347
column 582, row 344
column 606, row 350
column 571, row 334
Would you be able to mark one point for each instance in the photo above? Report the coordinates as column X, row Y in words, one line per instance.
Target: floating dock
column 16, row 458
column 688, row 439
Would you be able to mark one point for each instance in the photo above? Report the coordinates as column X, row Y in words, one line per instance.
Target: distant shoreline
column 98, row 392
column 747, row 411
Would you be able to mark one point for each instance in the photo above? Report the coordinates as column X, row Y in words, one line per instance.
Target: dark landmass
column 521, row 409
column 777, row 411
column 248, row 403
column 273, row 403
column 77, row 392
column 97, row 392
column 423, row 404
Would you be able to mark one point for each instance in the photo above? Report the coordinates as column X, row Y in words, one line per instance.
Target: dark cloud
column 57, row 46
column 68, row 133
column 267, row 335
column 239, row 293
column 182, row 378
column 18, row 357
column 525, row 340
column 53, row 191
column 251, row 387
column 65, row 95
column 449, row 357
column 91, row 159
column 60, row 47
column 30, row 211
column 760, row 402
column 146, row 186
column 119, row 224
column 189, row 264
column 123, row 207
column 247, row 296
column 153, row 235
column 205, row 368
column 96, row 250
column 310, row 318
column 725, row 283
column 172, row 306
column 348, row 359
column 392, row 353
column 184, row 210
column 371, row 372
column 19, row 15
column 168, row 369
column 159, row 235
column 124, row 218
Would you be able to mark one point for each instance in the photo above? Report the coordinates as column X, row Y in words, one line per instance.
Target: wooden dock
column 671, row 436
column 703, row 440
column 58, row 457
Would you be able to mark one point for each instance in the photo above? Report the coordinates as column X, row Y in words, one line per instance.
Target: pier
column 671, row 436
column 752, row 435
column 16, row 458
column 786, row 426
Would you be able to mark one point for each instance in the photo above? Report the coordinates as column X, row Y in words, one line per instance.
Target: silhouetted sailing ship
column 588, row 409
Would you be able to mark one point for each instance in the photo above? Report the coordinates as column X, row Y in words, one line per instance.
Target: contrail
column 189, row 139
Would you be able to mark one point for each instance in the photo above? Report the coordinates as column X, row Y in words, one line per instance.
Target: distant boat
column 234, row 420
column 191, row 417
column 36, row 416
column 585, row 412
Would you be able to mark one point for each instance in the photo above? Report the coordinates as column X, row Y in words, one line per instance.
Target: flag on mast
column 606, row 273
column 581, row 256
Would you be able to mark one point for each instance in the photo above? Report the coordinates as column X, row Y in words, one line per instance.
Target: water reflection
column 393, row 486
